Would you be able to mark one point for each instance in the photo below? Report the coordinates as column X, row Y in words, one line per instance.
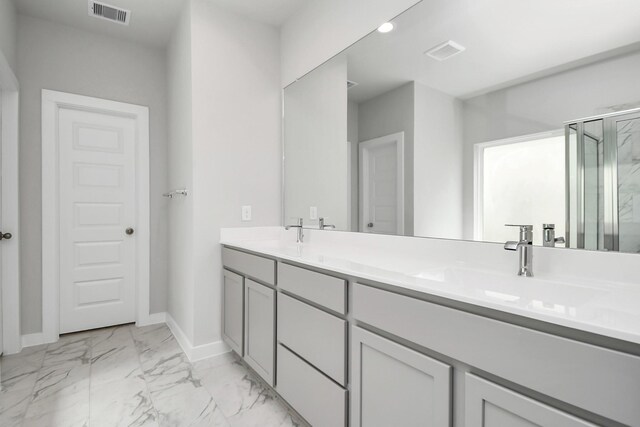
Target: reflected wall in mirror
column 465, row 118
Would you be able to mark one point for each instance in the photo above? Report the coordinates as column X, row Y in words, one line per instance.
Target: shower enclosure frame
column 610, row 177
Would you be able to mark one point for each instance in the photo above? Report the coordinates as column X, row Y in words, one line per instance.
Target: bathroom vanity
column 376, row 337
column 432, row 130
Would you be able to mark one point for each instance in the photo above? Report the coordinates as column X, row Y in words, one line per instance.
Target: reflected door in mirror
column 382, row 166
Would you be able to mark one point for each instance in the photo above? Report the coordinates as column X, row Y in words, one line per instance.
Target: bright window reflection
column 522, row 183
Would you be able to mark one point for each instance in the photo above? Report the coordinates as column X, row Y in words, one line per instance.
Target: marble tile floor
column 129, row 376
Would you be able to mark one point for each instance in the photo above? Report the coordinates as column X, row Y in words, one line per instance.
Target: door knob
column 5, row 236
column 370, row 225
column 129, row 231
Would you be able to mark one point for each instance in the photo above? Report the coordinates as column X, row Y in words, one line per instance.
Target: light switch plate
column 246, row 213
column 313, row 212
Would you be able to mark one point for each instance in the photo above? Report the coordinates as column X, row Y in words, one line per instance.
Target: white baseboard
column 199, row 352
column 30, row 340
column 194, row 353
column 153, row 319
column 205, row 351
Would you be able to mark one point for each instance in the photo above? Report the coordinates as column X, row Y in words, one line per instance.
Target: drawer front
column 490, row 405
column 599, row 380
column 327, row 291
column 318, row 399
column 259, row 334
column 259, row 268
column 318, row 337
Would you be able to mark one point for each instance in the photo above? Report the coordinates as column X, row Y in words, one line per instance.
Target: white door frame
column 478, row 173
column 364, row 173
column 52, row 101
column 10, row 210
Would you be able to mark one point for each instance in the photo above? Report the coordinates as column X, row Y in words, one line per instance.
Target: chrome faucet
column 549, row 238
column 524, row 246
column 300, row 235
column 323, row 226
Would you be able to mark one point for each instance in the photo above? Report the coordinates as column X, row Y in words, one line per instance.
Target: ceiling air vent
column 445, row 50
column 351, row 84
column 110, row 13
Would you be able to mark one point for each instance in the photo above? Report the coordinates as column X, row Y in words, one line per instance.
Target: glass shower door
column 625, row 155
column 603, row 181
column 585, row 181
column 593, row 175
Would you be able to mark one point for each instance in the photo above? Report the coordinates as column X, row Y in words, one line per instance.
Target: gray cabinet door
column 259, row 334
column 490, row 405
column 396, row 386
column 232, row 310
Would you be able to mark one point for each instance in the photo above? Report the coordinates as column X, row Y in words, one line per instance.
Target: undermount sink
column 536, row 293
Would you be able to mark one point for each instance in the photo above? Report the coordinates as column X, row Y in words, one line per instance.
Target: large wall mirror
column 469, row 115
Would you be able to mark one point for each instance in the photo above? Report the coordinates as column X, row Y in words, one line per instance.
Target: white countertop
column 609, row 308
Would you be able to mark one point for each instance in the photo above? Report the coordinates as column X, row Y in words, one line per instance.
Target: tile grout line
column 33, row 389
column 193, row 372
column 217, row 406
column 90, row 375
column 144, row 375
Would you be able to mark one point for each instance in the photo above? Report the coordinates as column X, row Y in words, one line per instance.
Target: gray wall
column 8, row 32
column 392, row 112
column 316, row 167
column 437, row 158
column 545, row 104
column 57, row 57
column 234, row 156
column 179, row 83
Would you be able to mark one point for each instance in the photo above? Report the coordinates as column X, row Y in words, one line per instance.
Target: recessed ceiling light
column 386, row 27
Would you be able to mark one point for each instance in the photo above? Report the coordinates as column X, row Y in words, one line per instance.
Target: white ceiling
column 273, row 12
column 506, row 42
column 152, row 21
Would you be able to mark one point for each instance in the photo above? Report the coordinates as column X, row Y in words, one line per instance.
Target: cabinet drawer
column 263, row 269
column 599, row 380
column 490, row 405
column 318, row 337
column 324, row 290
column 318, row 399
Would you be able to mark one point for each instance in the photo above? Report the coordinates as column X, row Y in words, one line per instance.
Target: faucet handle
column 323, row 225
column 526, row 231
column 523, row 227
column 299, row 221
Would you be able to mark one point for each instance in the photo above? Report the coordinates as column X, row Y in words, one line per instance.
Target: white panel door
column 97, row 206
column 381, row 160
